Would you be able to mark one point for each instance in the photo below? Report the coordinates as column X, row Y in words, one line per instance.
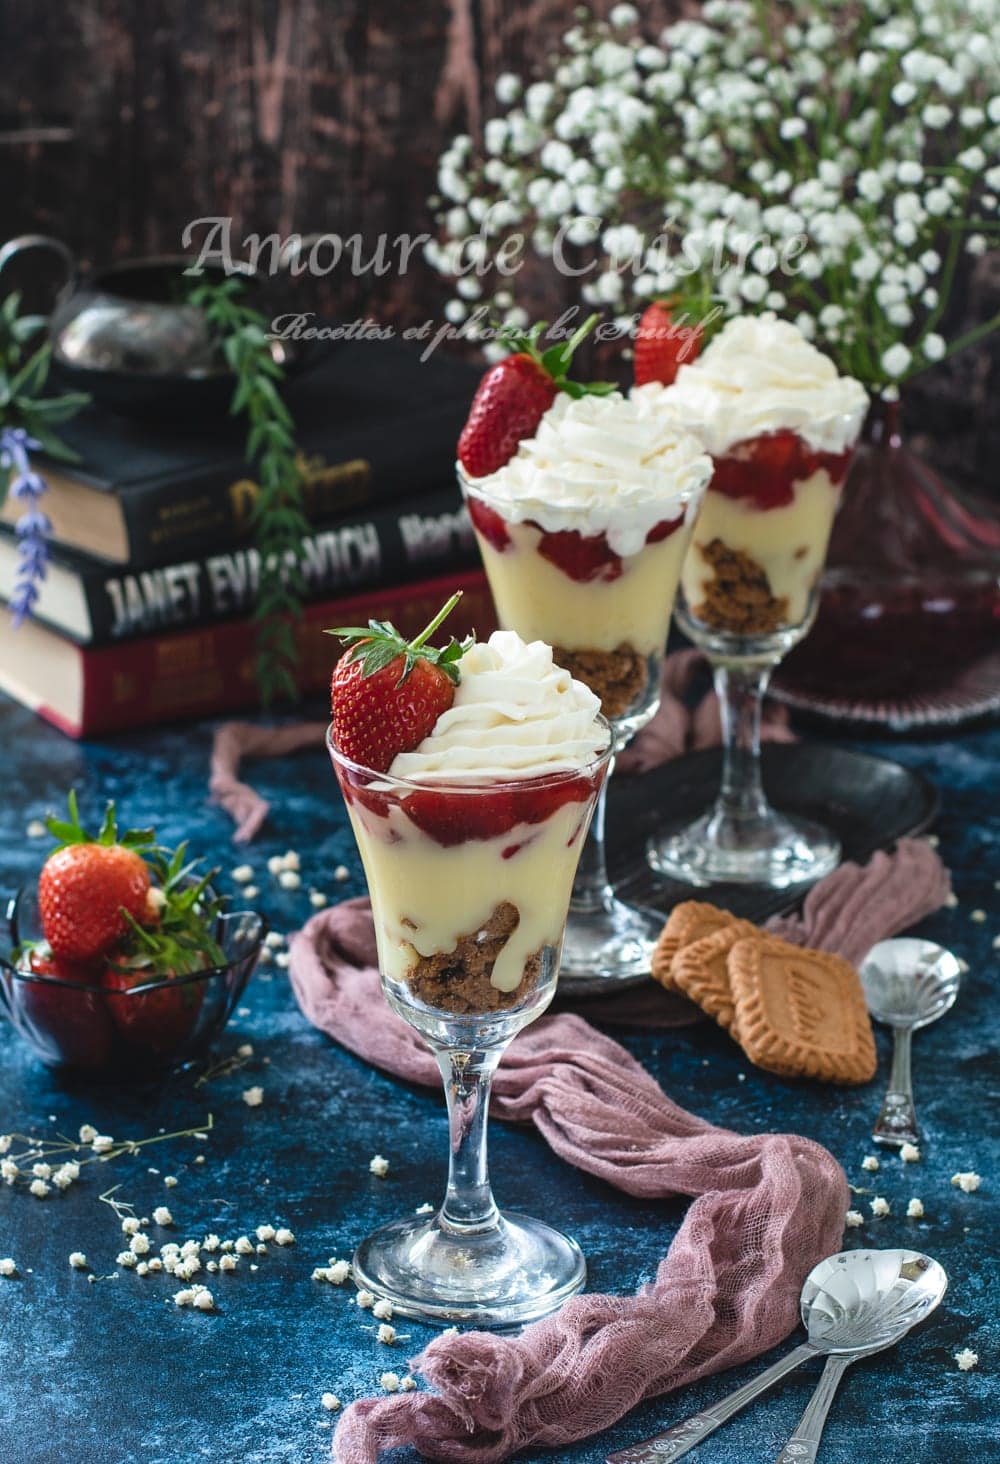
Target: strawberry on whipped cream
column 780, row 424
column 470, row 840
column 583, row 529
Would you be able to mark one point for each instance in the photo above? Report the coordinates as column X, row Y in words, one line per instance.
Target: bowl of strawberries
column 122, row 960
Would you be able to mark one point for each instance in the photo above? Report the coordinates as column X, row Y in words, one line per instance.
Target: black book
column 373, row 421
column 96, row 603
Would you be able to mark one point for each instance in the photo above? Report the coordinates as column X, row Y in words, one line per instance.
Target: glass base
column 502, row 1276
column 607, row 943
column 773, row 851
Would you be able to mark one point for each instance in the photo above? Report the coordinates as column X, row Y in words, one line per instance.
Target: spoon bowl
column 909, row 983
column 861, row 1301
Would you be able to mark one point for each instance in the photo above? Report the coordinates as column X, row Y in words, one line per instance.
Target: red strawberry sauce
column 582, row 557
column 766, row 469
column 451, row 818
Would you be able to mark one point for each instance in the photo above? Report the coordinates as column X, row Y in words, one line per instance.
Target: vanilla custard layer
column 788, row 543
column 540, row 602
column 426, row 897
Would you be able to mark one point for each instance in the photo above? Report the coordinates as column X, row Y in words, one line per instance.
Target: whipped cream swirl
column 609, row 465
column 515, row 715
column 760, row 375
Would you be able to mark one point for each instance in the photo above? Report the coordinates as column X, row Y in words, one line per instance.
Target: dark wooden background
column 121, row 120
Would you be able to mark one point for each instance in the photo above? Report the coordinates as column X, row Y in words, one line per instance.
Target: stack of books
column 146, row 614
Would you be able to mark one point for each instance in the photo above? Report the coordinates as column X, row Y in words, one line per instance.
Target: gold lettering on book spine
column 326, row 488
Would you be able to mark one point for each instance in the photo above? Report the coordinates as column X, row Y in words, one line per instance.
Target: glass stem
column 740, row 690
column 591, row 888
column 468, row 1078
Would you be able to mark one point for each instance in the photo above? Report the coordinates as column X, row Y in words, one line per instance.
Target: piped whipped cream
column 760, row 375
column 610, row 465
column 515, row 715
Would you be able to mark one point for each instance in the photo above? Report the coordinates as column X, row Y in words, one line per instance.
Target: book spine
column 206, row 672
column 421, row 537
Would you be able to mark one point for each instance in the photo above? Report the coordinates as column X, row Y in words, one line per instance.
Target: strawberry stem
column 442, row 614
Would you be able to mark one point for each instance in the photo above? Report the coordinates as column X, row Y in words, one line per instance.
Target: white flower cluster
column 832, row 170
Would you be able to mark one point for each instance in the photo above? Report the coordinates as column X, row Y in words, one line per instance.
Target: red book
column 89, row 691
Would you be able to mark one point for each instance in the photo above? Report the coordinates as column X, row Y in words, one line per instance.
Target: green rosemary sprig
column 279, row 520
column 23, row 374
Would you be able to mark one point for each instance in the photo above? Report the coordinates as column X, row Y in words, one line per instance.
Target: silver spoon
column 853, row 1304
column 908, row 984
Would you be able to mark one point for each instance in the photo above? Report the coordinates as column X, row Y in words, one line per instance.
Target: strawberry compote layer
column 583, row 531
column 780, row 424
column 489, row 812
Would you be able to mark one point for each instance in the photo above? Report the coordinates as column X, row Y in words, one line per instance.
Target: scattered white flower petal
column 87, row 1133
column 250, row 892
column 253, row 1097
column 139, row 1244
column 228, row 1263
column 379, row 1166
column 338, row 1271
column 39, row 1188
column 36, row 829
column 879, row 1206
column 289, row 879
column 389, row 1381
column 183, row 1298
column 284, row 1236
column 341, row 873
column 169, row 1180
column 42, row 1171
column 870, row 1163
column 979, row 916
column 425, row 1209
column 330, row 1402
column 155, row 1264
column 8, row 1267
column 383, row 1310
column 162, row 1216
column 386, row 1333
column 204, row 1300
column 407, row 1384
column 130, row 1225
column 966, row 1359
column 967, row 1181
column 245, row 1049
column 102, row 1143
column 126, row 1259
column 244, row 1246
column 282, row 960
column 365, row 1298
column 274, row 939
column 317, row 899
column 265, row 1232
column 853, row 1218
column 78, row 1261
column 909, row 1153
column 243, row 873
column 915, row 1209
column 142, row 1269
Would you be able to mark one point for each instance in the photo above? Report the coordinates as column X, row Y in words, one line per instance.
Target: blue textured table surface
column 114, row 1373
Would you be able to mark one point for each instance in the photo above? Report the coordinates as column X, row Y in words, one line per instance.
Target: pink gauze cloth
column 672, row 731
column 766, row 1208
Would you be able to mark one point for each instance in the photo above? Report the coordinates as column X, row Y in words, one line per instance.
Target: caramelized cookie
column 687, row 922
column 700, row 969
column 800, row 1013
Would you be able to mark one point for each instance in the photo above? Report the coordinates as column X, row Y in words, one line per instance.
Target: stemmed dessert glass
column 469, row 885
column 749, row 592
column 619, row 612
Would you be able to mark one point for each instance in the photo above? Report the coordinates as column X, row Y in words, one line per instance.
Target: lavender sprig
column 33, row 527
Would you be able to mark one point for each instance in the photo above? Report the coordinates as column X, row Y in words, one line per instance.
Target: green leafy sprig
column 279, row 520
column 71, row 831
column 23, row 374
column 182, row 940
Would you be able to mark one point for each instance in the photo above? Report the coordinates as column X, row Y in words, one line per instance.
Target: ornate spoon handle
column 897, row 1121
column 803, row 1446
column 684, row 1436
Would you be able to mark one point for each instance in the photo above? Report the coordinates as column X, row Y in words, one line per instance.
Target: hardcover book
column 95, row 602
column 89, row 691
column 373, row 421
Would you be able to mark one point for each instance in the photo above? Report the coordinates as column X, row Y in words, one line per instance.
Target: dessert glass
column 749, row 591
column 469, row 885
column 606, row 616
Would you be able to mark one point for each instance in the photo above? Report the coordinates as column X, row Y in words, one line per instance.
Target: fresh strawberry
column 387, row 693
column 89, row 887
column 661, row 347
column 70, row 1025
column 181, row 943
column 583, row 557
column 515, row 394
column 157, row 1021
column 487, row 522
column 454, row 818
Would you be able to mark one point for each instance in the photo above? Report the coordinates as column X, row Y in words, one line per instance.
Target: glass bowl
column 162, row 1023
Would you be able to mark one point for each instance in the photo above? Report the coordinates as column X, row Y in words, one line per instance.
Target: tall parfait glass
column 582, row 537
column 470, row 883
column 750, row 580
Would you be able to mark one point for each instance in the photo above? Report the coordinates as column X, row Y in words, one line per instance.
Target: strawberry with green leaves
column 515, row 394
column 179, row 943
column 90, row 888
column 387, row 693
column 662, row 345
